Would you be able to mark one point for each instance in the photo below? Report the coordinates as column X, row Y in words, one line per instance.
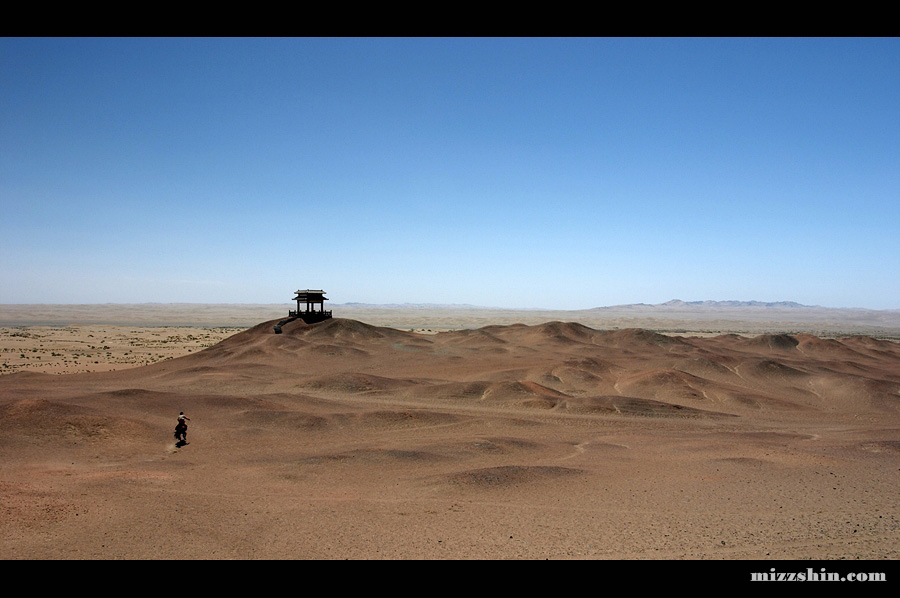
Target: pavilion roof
column 311, row 294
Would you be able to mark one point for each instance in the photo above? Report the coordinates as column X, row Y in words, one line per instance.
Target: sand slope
column 554, row 440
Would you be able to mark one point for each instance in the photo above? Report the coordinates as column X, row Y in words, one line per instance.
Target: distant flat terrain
column 673, row 317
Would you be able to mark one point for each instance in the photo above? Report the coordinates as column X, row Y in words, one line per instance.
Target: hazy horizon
column 670, row 303
column 549, row 173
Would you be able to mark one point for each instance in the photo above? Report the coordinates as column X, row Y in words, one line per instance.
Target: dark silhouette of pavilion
column 311, row 298
column 310, row 315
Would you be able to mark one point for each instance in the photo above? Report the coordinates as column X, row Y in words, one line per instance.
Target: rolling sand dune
column 344, row 439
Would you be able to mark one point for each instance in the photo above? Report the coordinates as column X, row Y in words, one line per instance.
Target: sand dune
column 344, row 439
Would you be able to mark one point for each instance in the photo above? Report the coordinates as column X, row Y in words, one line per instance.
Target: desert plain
column 449, row 433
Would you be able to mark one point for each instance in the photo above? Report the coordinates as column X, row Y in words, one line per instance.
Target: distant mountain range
column 680, row 303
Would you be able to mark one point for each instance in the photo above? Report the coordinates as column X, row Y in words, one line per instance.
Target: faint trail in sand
column 813, row 390
column 579, row 450
column 737, row 372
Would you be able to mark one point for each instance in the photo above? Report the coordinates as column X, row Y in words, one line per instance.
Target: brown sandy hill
column 537, row 365
column 343, row 439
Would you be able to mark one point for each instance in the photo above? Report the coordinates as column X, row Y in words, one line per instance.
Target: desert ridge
column 565, row 361
column 343, row 439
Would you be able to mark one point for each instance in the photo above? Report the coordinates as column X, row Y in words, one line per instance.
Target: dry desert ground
column 446, row 438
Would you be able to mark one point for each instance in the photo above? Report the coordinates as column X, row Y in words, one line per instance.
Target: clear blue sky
column 569, row 173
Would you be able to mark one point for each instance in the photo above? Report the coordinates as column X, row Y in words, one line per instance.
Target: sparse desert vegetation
column 79, row 348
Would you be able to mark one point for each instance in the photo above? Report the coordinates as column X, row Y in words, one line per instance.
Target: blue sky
column 556, row 173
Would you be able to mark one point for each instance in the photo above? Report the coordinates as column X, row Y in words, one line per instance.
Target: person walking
column 181, row 428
